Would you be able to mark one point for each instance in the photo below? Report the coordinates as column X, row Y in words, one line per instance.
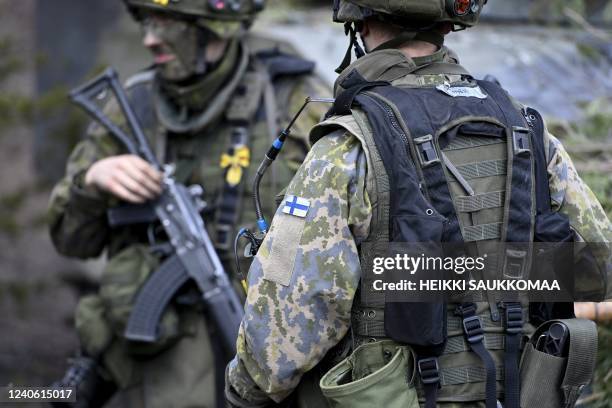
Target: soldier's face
column 176, row 46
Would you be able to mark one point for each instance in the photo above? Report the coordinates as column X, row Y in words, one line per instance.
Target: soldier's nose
column 150, row 40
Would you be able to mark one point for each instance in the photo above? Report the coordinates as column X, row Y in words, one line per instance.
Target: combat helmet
column 411, row 13
column 419, row 17
column 225, row 18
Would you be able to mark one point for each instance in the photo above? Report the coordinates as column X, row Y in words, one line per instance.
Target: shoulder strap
column 353, row 85
column 536, row 124
column 280, row 64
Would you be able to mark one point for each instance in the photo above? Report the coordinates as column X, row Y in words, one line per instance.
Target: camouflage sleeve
column 77, row 214
column 572, row 197
column 302, row 282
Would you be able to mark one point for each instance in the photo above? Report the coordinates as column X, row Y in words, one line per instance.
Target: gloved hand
column 233, row 400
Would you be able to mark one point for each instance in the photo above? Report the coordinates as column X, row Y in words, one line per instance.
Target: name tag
column 462, row 91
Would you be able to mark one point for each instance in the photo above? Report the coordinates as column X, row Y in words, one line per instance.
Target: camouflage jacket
column 303, row 281
column 78, row 222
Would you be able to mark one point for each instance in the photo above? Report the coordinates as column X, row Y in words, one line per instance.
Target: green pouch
column 375, row 374
column 121, row 280
column 541, row 376
column 548, row 381
column 94, row 331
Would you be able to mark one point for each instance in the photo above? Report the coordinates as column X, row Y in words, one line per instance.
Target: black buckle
column 514, row 263
column 224, row 239
column 514, row 318
column 426, row 151
column 429, row 370
column 466, row 309
column 520, row 139
column 472, row 327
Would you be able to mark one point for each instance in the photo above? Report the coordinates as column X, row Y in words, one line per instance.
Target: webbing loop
column 429, row 371
column 474, row 332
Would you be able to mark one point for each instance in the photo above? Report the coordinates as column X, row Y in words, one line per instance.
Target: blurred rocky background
column 555, row 55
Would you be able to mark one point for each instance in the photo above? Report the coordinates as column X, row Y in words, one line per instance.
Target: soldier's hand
column 127, row 177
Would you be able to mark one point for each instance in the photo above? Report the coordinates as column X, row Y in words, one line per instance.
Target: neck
column 415, row 49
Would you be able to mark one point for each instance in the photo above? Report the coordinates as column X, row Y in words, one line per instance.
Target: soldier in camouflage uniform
column 212, row 102
column 301, row 306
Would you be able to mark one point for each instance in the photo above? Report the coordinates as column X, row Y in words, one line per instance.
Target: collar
column 191, row 108
column 390, row 64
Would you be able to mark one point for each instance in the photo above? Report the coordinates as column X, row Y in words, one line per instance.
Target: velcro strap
column 482, row 232
column 581, row 358
column 494, row 199
column 483, row 169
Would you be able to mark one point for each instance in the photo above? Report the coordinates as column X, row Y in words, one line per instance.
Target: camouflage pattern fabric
column 180, row 372
column 299, row 304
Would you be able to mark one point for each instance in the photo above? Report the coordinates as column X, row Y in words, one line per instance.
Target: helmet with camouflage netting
column 411, row 13
column 225, row 18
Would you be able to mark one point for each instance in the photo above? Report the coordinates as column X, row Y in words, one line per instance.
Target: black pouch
column 420, row 324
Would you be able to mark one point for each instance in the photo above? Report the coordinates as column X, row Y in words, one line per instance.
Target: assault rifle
column 193, row 254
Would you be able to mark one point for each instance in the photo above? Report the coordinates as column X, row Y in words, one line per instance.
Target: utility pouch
column 549, row 381
column 541, row 376
column 376, row 374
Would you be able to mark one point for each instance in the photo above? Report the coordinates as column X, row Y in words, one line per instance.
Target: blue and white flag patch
column 294, row 205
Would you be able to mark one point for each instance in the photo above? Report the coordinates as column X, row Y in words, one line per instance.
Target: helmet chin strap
column 351, row 30
column 201, row 65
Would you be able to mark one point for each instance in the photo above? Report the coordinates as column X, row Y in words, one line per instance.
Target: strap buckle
column 515, row 262
column 472, row 327
column 429, row 370
column 426, row 150
column 223, row 237
column 514, row 318
column 520, row 139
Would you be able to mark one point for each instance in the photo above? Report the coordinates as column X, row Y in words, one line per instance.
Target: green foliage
column 602, row 388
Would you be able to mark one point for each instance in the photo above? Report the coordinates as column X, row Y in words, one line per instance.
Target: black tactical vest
column 437, row 191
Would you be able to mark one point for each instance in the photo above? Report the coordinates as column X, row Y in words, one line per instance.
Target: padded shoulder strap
column 536, row 124
column 280, row 64
column 353, row 85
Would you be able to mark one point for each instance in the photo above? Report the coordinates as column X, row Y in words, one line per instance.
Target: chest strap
column 240, row 114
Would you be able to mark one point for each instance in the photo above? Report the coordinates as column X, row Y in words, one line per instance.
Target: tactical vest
column 452, row 164
column 268, row 71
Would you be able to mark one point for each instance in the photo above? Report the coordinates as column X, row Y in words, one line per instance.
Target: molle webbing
column 479, row 202
column 467, row 142
column 369, row 322
column 521, row 206
column 482, row 232
column 483, row 169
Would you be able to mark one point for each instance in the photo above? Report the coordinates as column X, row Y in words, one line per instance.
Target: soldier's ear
column 363, row 28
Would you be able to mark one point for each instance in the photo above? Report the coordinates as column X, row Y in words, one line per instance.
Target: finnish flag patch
column 294, row 205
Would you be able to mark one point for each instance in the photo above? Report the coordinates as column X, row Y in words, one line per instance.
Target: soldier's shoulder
column 337, row 147
column 259, row 42
column 280, row 57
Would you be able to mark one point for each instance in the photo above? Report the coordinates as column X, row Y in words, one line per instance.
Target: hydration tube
column 270, row 156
